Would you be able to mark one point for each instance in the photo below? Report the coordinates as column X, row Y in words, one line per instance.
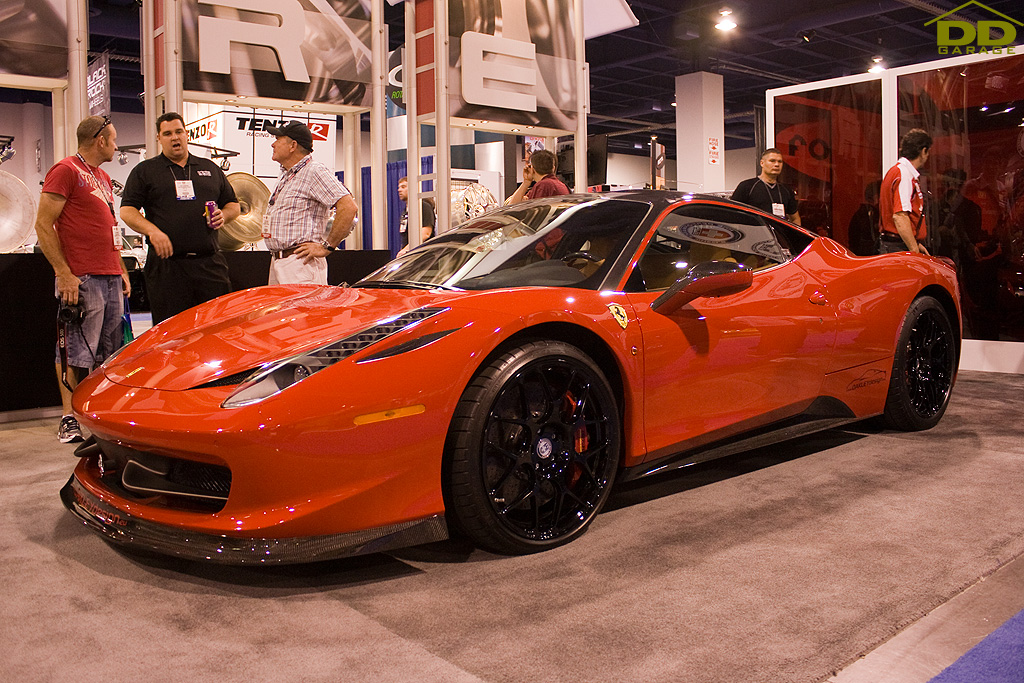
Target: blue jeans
column 99, row 334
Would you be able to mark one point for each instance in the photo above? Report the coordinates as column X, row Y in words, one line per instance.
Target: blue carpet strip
column 997, row 659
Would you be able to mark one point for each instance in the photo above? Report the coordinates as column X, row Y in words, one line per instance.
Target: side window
column 697, row 233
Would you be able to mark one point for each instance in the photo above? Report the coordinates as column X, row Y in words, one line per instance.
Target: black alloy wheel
column 534, row 448
column 923, row 369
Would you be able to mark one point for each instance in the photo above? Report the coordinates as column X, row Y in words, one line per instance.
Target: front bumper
column 119, row 529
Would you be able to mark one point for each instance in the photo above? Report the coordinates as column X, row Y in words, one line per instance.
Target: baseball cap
column 296, row 130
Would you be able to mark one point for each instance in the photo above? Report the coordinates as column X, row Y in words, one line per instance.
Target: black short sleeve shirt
column 150, row 188
column 755, row 192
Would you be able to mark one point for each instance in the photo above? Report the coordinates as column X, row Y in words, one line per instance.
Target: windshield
column 568, row 241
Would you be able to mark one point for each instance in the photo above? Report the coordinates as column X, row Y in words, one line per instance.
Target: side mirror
column 713, row 278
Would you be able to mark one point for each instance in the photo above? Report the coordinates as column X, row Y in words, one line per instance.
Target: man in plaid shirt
column 299, row 207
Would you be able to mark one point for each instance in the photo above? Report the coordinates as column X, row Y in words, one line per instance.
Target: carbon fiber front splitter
column 123, row 530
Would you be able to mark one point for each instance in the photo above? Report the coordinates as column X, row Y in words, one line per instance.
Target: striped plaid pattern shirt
column 300, row 205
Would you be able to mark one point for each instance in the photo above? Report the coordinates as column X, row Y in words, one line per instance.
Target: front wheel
column 923, row 369
column 533, row 449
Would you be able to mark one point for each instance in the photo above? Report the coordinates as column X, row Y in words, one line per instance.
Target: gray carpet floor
column 778, row 565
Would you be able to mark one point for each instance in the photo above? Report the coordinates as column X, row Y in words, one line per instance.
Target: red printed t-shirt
column 548, row 186
column 901, row 192
column 85, row 226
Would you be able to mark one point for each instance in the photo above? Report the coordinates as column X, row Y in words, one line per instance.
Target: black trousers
column 177, row 284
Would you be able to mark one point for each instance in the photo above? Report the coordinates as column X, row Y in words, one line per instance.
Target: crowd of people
column 178, row 201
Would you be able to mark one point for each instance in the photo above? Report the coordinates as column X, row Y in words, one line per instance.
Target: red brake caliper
column 581, row 440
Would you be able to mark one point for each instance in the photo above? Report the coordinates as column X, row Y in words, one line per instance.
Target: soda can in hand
column 210, row 208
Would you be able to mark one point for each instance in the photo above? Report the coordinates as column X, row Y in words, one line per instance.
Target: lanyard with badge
column 778, row 208
column 108, row 197
column 183, row 189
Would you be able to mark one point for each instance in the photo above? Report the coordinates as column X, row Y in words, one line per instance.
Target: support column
column 413, row 165
column 700, row 133
column 582, row 101
column 443, row 153
column 378, row 124
column 78, row 60
column 353, row 175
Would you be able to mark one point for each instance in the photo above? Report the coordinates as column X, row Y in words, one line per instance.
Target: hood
column 241, row 331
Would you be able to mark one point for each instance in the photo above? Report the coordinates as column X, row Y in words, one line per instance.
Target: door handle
column 817, row 298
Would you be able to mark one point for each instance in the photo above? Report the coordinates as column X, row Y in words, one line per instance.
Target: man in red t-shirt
column 542, row 165
column 901, row 204
column 79, row 235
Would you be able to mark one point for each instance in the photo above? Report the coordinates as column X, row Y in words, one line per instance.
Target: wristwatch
column 327, row 246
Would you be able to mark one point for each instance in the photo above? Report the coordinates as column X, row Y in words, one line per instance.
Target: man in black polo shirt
column 184, row 266
column 766, row 192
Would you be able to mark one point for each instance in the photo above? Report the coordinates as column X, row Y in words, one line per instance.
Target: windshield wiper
column 403, row 284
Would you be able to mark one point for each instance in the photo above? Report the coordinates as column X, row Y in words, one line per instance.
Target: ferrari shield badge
column 619, row 313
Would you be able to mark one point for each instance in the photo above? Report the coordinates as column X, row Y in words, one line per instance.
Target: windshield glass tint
column 569, row 242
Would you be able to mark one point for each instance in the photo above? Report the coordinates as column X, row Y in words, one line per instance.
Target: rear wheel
column 534, row 448
column 923, row 369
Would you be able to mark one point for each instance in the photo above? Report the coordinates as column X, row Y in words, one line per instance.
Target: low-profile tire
column 533, row 449
column 923, row 368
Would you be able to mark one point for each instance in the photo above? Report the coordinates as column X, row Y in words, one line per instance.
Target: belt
column 285, row 253
column 891, row 237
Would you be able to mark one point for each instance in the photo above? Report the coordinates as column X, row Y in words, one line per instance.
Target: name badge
column 117, row 237
column 779, row 210
column 184, row 190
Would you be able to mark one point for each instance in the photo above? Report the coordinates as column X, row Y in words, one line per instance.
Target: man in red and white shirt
column 79, row 235
column 901, row 204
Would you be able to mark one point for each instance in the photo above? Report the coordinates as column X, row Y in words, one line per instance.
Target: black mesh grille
column 197, row 475
column 227, row 380
column 344, row 348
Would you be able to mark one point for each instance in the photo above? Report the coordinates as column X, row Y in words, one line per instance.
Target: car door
column 721, row 365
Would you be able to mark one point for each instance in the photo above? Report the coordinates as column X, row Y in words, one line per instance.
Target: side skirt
column 822, row 414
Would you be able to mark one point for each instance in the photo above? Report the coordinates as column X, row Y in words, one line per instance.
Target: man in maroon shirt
column 79, row 235
column 543, row 165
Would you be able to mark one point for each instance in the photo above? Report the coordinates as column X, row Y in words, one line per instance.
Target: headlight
column 273, row 378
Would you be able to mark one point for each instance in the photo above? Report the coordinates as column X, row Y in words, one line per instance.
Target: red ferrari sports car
column 498, row 379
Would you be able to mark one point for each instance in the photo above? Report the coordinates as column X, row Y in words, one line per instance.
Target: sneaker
column 69, row 431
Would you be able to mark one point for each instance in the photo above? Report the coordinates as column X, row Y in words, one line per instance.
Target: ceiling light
column 7, row 153
column 674, row 104
column 225, row 164
column 984, row 107
column 878, row 65
column 1008, row 110
column 725, row 24
column 122, row 158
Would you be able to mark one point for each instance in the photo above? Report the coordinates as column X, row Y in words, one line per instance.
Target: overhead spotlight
column 225, row 164
column 122, row 158
column 984, row 107
column 674, row 104
column 7, row 153
column 725, row 23
column 878, row 66
column 805, row 36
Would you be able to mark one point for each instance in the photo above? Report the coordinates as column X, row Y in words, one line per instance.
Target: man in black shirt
column 766, row 192
column 184, row 266
column 427, row 216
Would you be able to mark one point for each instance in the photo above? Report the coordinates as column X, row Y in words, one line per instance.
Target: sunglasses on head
column 106, row 122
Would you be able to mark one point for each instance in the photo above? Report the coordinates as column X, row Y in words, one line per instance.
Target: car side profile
column 498, row 380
